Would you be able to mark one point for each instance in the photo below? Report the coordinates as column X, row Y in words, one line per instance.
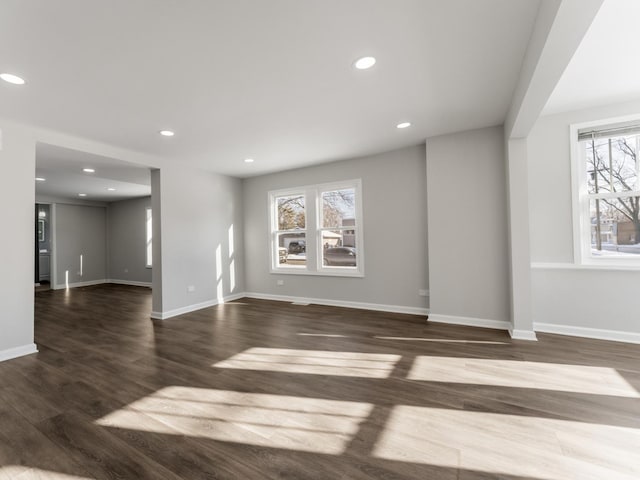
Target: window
column 149, row 231
column 290, row 235
column 607, row 193
column 317, row 230
column 337, row 236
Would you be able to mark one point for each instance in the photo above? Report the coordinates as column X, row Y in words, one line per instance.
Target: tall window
column 609, row 194
column 317, row 230
column 337, row 227
column 149, row 231
column 290, row 235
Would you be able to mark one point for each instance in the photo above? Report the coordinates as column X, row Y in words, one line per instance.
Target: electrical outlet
column 423, row 293
column 280, row 283
column 191, row 288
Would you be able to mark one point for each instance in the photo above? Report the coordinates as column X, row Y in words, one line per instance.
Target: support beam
column 520, row 256
column 17, row 203
column 156, row 227
column 560, row 27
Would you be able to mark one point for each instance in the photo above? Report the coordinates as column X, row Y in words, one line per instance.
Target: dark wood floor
column 259, row 389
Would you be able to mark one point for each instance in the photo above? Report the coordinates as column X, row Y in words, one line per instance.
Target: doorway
column 43, row 244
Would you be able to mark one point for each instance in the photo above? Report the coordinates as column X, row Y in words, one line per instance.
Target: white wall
column 394, row 196
column 199, row 213
column 564, row 295
column 80, row 230
column 127, row 240
column 17, row 203
column 468, row 251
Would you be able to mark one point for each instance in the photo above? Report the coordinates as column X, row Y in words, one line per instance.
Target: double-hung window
column 289, row 232
column 606, row 171
column 317, row 229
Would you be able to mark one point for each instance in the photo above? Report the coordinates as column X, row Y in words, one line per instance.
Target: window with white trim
column 290, row 234
column 607, row 198
column 317, row 229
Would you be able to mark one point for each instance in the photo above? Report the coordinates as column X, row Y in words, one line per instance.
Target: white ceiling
column 272, row 80
column 62, row 169
column 606, row 67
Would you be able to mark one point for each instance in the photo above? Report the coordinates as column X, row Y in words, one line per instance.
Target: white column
column 519, row 251
column 156, row 225
column 17, row 203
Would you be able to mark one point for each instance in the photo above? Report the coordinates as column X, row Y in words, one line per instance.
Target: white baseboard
column 18, row 352
column 234, row 296
column 597, row 333
column 470, row 321
column 523, row 335
column 80, row 284
column 196, row 306
column 341, row 303
column 133, row 283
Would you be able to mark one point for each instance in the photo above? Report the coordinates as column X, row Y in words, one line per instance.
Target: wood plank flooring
column 268, row 390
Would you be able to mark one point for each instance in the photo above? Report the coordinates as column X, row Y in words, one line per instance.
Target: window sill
column 585, row 266
column 323, row 273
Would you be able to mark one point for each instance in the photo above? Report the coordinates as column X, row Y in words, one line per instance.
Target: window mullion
column 606, row 195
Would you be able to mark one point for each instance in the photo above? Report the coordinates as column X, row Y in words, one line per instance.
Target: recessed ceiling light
column 167, row 133
column 364, row 63
column 403, row 125
column 82, row 194
column 248, row 160
column 111, row 189
column 11, row 78
column 40, row 179
column 88, row 170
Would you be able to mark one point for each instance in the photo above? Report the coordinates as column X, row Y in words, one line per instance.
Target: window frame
column 313, row 230
column 274, row 232
column 581, row 198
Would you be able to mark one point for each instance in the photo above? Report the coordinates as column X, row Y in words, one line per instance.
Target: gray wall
column 80, row 230
column 198, row 213
column 127, row 240
column 466, row 199
column 17, row 200
column 395, row 231
column 563, row 293
column 156, row 271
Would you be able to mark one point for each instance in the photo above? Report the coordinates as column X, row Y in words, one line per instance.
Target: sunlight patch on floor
column 274, row 421
column 329, row 335
column 20, row 472
column 530, row 447
column 442, row 340
column 521, row 374
column 318, row 362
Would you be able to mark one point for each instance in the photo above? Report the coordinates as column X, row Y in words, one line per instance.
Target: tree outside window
column 613, row 193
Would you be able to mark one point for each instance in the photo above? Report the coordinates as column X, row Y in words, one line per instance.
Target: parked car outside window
column 340, row 256
column 297, row 247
